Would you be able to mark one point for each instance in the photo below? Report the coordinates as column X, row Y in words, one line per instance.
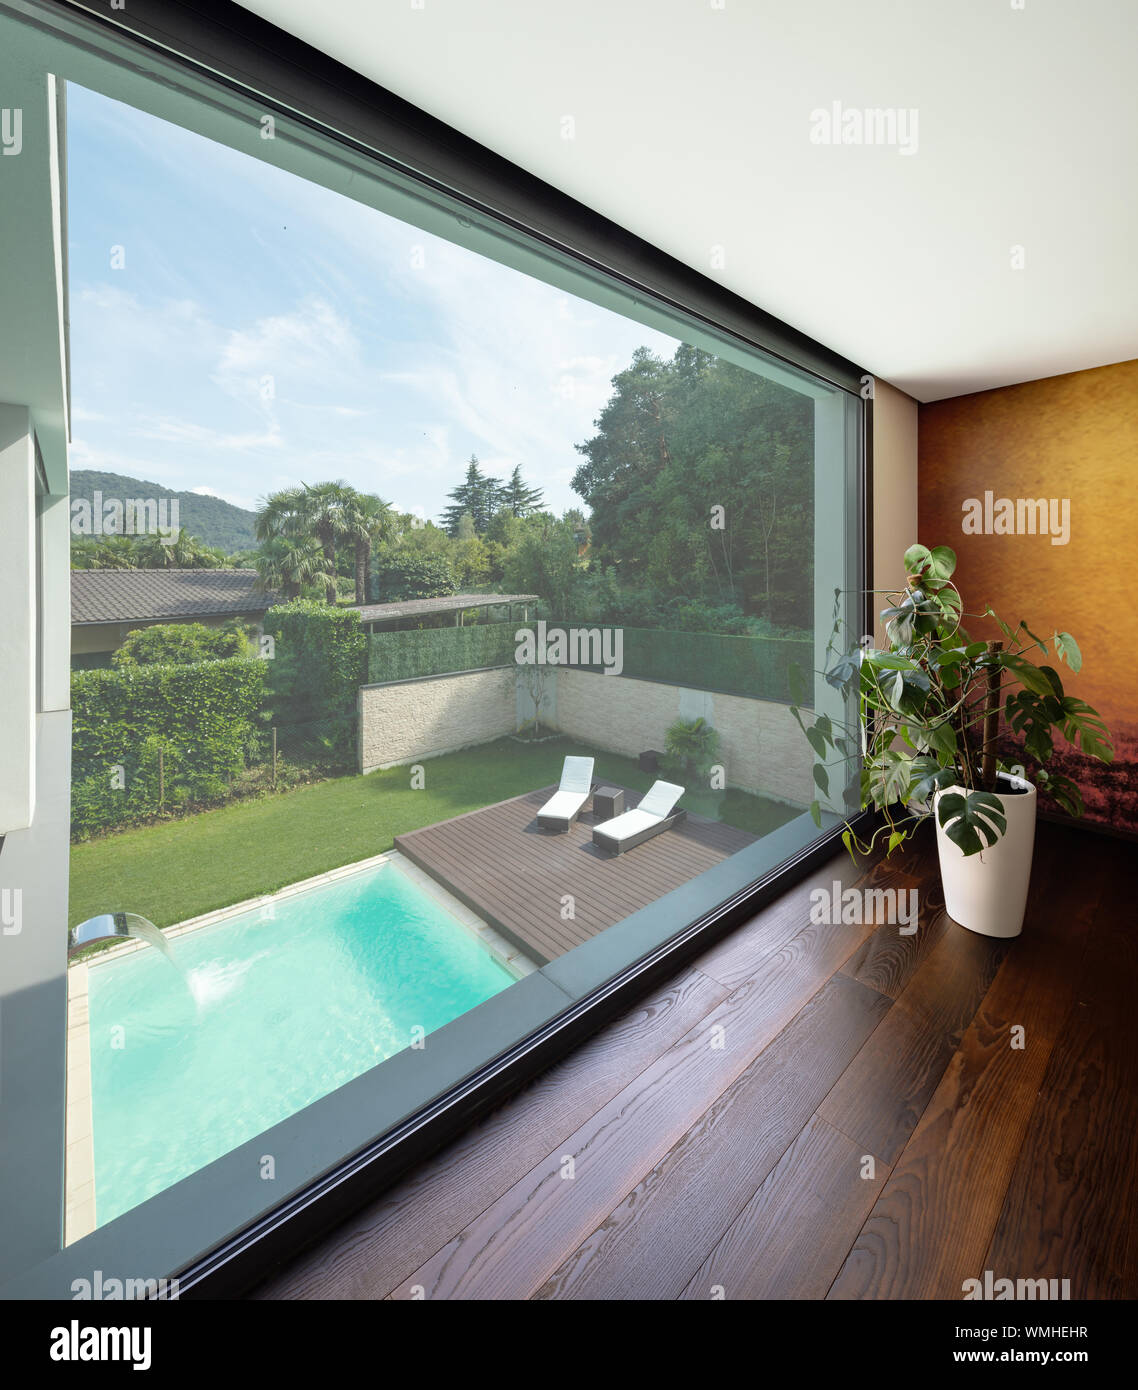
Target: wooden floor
column 809, row 1111
column 516, row 877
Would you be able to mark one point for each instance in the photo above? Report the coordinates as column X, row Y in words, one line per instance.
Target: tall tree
column 367, row 520
column 700, row 480
column 327, row 510
column 476, row 494
column 518, row 499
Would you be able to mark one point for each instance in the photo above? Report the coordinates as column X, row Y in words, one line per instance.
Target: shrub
column 319, row 663
column 693, row 746
column 192, row 721
column 411, row 576
column 180, row 644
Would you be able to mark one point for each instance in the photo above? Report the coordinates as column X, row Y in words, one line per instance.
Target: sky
column 262, row 331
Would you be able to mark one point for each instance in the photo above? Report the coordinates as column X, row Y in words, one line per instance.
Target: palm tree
column 280, row 514
column 183, row 552
column 367, row 519
column 326, row 511
column 112, row 553
column 288, row 563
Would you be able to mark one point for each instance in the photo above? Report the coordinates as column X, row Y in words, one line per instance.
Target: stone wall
column 406, row 720
column 761, row 747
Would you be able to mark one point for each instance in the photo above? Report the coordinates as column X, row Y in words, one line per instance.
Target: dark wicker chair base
column 615, row 846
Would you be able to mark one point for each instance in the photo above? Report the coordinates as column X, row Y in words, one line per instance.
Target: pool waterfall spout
column 113, row 926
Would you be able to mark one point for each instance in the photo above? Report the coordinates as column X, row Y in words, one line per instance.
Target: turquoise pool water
column 271, row 1013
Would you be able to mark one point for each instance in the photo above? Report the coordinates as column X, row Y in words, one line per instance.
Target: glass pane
column 440, row 608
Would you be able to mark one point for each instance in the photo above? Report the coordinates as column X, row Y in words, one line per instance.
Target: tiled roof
column 121, row 596
column 418, row 607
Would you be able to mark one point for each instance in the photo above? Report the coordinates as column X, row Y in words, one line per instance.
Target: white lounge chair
column 656, row 812
column 564, row 806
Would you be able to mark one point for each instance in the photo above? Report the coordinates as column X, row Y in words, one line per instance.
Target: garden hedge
column 202, row 718
column 318, row 663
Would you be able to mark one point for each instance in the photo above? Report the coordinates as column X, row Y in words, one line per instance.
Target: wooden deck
column 743, row 1168
column 516, row 876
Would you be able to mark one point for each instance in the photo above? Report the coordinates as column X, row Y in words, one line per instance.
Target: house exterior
column 106, row 605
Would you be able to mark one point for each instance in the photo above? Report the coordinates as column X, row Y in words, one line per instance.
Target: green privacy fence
column 754, row 667
column 400, row 656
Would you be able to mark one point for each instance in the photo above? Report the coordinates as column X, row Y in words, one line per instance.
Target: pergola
column 379, row 617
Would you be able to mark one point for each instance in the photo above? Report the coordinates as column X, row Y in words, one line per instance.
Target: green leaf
column 897, row 837
column 1083, row 725
column 972, row 820
column 796, row 679
column 942, row 562
column 816, row 741
column 1062, row 790
column 1028, row 675
column 990, row 612
column 1068, row 649
column 816, row 817
column 942, row 739
column 822, row 779
column 1039, row 642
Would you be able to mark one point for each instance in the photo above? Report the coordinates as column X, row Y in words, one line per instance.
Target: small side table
column 608, row 802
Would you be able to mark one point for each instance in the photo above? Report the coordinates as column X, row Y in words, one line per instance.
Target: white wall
column 894, row 487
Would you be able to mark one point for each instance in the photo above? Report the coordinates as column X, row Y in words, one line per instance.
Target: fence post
column 161, row 777
column 274, row 755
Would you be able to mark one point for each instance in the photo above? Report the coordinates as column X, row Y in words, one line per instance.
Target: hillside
column 208, row 518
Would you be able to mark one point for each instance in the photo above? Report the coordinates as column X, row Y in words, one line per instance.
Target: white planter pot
column 987, row 892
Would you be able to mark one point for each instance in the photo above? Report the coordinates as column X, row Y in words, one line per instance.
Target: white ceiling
column 692, row 124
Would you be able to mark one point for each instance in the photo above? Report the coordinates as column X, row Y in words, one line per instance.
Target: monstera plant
column 932, row 707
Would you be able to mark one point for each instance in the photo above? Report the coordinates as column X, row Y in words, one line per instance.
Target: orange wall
column 1073, row 436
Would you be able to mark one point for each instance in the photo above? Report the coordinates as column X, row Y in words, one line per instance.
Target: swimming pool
column 270, row 1009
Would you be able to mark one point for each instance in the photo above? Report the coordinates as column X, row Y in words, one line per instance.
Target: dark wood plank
column 383, row 1243
column 1069, row 1212
column 930, row 1228
column 790, row 1239
column 739, row 955
column 513, row 1246
column 932, row 1225
column 881, row 1096
column 655, row 1241
column 890, row 959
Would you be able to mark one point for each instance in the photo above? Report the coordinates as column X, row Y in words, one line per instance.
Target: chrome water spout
column 114, row 926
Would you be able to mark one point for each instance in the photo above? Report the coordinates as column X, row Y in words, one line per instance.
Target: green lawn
column 181, row 868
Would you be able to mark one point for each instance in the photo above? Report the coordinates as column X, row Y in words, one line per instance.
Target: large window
column 441, row 610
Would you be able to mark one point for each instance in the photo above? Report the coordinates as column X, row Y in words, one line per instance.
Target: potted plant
column 692, row 746
column 931, row 705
